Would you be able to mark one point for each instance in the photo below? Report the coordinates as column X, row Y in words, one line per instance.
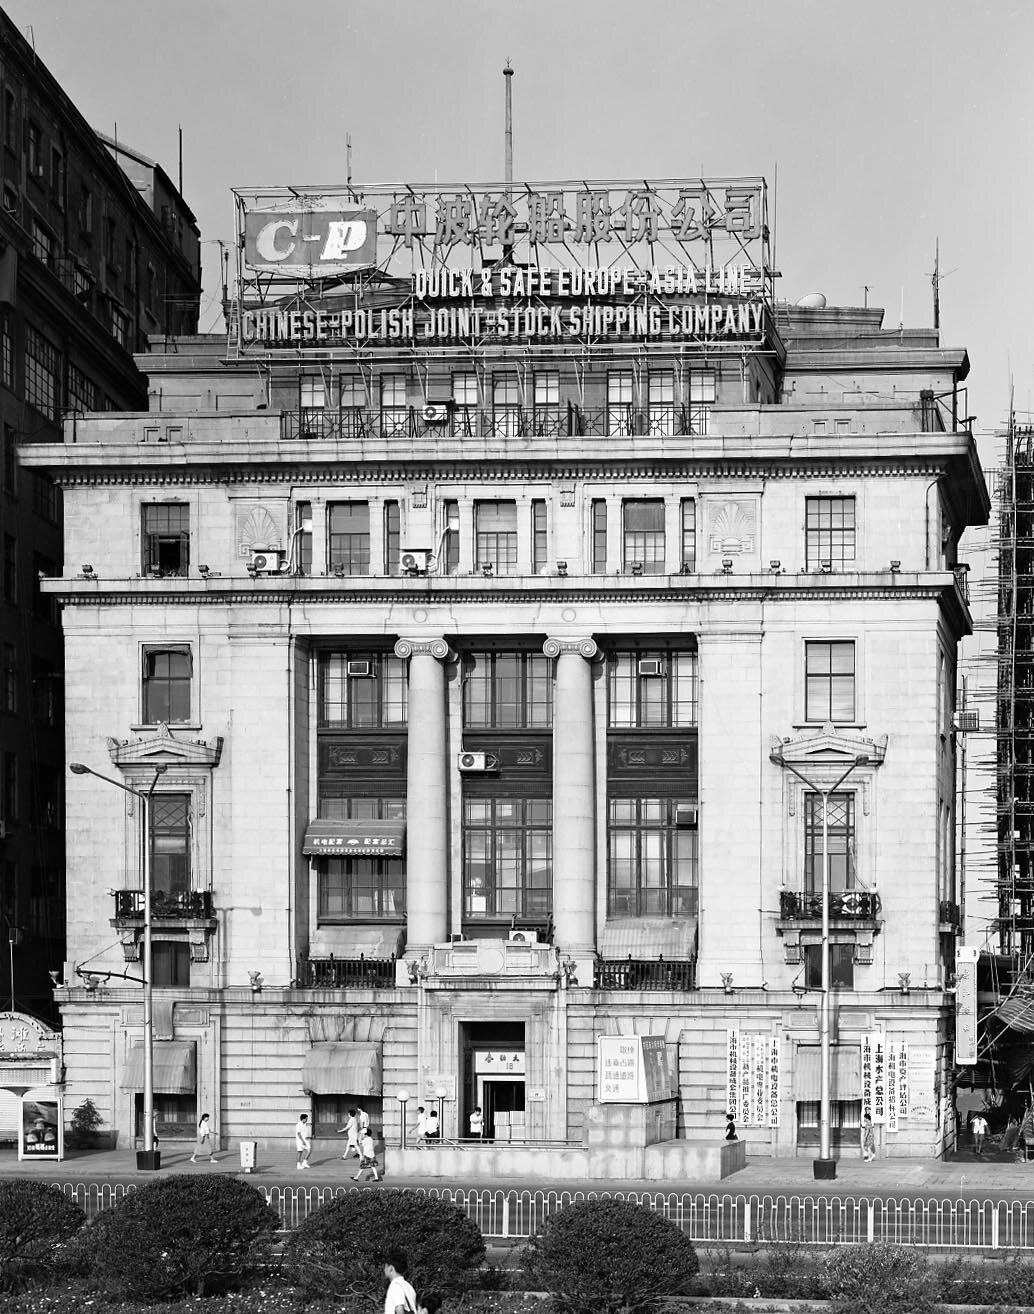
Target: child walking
column 203, row 1141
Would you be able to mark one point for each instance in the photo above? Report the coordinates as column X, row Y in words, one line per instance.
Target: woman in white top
column 203, row 1142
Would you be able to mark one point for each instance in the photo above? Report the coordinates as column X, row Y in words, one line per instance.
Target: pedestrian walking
column 351, row 1130
column 979, row 1129
column 303, row 1141
column 363, row 1119
column 367, row 1160
column 868, row 1139
column 203, row 1140
column 477, row 1124
column 421, row 1125
column 400, row 1298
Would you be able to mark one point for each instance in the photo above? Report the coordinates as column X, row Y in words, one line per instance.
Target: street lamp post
column 824, row 1167
column 403, row 1098
column 149, row 1158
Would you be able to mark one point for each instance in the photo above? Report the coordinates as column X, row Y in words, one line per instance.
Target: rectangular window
column 506, row 407
column 547, row 403
column 830, row 532
column 10, row 799
column 10, row 568
column 9, row 692
column 166, row 538
column 689, row 535
column 451, row 535
column 394, row 407
column 662, row 402
column 643, row 537
column 45, row 688
column 6, row 352
column 9, row 471
column 85, row 211
column 10, row 120
column 42, row 380
column 82, row 395
column 829, row 682
column 703, row 392
column 130, row 266
column 392, row 537
column 348, row 538
column 507, row 858
column 353, row 406
column 303, row 537
column 43, row 605
column 539, row 537
column 166, row 685
column 465, row 404
column 170, row 825
column 170, row 966
column 599, row 537
column 362, row 690
column 841, row 966
column 508, row 690
column 42, row 243
column 111, row 246
column 496, row 536
column 354, row 889
column 840, row 839
column 653, row 860
column 312, row 403
column 34, row 150
column 619, row 402
column 652, row 689
column 58, row 177
column 120, row 326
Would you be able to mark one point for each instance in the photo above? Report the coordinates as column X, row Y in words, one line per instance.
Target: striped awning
column 358, row 839
column 175, row 1068
column 845, row 1072
column 343, row 1067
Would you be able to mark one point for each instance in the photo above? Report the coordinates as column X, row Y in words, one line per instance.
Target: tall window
column 10, row 568
column 841, row 968
column 166, row 685
column 10, row 789
column 6, row 352
column 840, row 839
column 451, row 535
column 42, row 380
column 170, row 825
column 312, row 402
column 830, row 533
column 348, row 538
column 465, row 404
column 303, row 537
column 619, row 402
column 9, row 693
column 82, row 394
column 508, row 690
column 394, row 409
column 392, row 531
column 496, row 536
column 507, row 857
column 506, row 406
column 170, row 966
column 662, row 401
column 166, row 538
column 354, row 889
column 652, row 689
column 547, row 403
column 10, row 119
column 703, row 393
column 353, row 406
column 362, row 690
column 539, row 537
column 829, row 681
column 643, row 536
column 688, row 513
column 653, row 859
column 599, row 537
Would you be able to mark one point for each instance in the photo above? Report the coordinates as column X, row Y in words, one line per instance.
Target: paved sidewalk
column 964, row 1174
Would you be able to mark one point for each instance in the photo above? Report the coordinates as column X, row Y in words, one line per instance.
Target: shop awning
column 175, row 1068
column 642, row 939
column 845, row 1073
column 344, row 1067
column 360, row 839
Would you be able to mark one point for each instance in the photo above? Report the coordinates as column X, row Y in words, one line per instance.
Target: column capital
column 584, row 646
column 424, row 647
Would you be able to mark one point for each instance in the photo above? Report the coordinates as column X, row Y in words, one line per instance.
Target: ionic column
column 427, row 783
column 574, row 797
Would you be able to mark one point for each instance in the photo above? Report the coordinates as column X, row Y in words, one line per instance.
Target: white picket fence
column 513, row 1215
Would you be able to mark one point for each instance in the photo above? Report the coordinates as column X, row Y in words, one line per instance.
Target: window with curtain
column 643, row 536
column 166, row 685
column 829, row 681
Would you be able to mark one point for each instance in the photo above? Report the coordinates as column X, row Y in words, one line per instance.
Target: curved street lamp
column 149, row 1158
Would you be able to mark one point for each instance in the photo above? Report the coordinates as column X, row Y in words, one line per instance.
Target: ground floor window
column 845, row 1120
column 329, row 1112
column 175, row 1116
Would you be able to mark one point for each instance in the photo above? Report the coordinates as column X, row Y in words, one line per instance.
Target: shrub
column 605, row 1256
column 181, row 1235
column 338, row 1250
column 82, row 1130
column 35, row 1218
column 879, row 1279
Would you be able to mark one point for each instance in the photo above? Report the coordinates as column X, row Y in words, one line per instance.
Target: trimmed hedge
column 35, row 1218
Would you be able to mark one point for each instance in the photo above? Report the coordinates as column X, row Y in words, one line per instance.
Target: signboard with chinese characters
column 753, row 1078
column 499, row 1062
column 966, row 1004
column 874, row 1076
column 634, row 1070
column 922, row 1082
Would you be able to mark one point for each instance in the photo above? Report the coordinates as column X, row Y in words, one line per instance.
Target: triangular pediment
column 827, row 744
column 164, row 749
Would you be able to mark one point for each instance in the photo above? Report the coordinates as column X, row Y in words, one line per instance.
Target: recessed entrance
column 494, row 1077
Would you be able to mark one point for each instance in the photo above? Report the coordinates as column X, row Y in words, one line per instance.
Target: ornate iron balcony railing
column 852, row 905
column 190, row 905
column 645, row 974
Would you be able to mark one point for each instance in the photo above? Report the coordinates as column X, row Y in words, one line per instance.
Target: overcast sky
column 880, row 126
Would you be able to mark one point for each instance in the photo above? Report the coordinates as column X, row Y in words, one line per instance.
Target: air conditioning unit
column 650, row 666
column 966, row 722
column 523, row 937
column 686, row 816
column 267, row 561
column 415, row 561
column 435, row 413
column 473, row 762
column 357, row 670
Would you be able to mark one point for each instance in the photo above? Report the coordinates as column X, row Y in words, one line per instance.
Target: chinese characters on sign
column 634, row 1070
column 752, row 1078
column 966, row 1004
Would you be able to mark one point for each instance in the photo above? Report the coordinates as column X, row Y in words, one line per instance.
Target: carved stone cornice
column 163, row 749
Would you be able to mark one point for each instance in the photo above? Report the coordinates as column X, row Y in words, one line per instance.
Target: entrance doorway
column 494, row 1077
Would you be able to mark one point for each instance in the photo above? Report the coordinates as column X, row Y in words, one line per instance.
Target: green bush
column 82, row 1130
column 339, row 1249
column 879, row 1279
column 181, row 1235
column 35, row 1219
column 606, row 1256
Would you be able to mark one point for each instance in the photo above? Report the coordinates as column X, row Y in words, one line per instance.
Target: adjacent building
column 502, row 599
column 97, row 252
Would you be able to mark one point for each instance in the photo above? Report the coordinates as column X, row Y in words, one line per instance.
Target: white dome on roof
column 813, row 301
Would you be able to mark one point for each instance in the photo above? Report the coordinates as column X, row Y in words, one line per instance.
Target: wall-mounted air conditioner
column 267, row 561
column 686, row 816
column 650, row 666
column 415, row 561
column 473, row 762
column 966, row 722
column 435, row 413
column 523, row 937
column 357, row 670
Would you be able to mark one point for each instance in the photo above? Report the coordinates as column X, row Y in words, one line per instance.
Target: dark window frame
column 507, row 848
column 530, row 678
column 168, row 691
column 830, row 531
column 385, row 691
column 652, row 825
column 827, row 688
column 165, row 538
